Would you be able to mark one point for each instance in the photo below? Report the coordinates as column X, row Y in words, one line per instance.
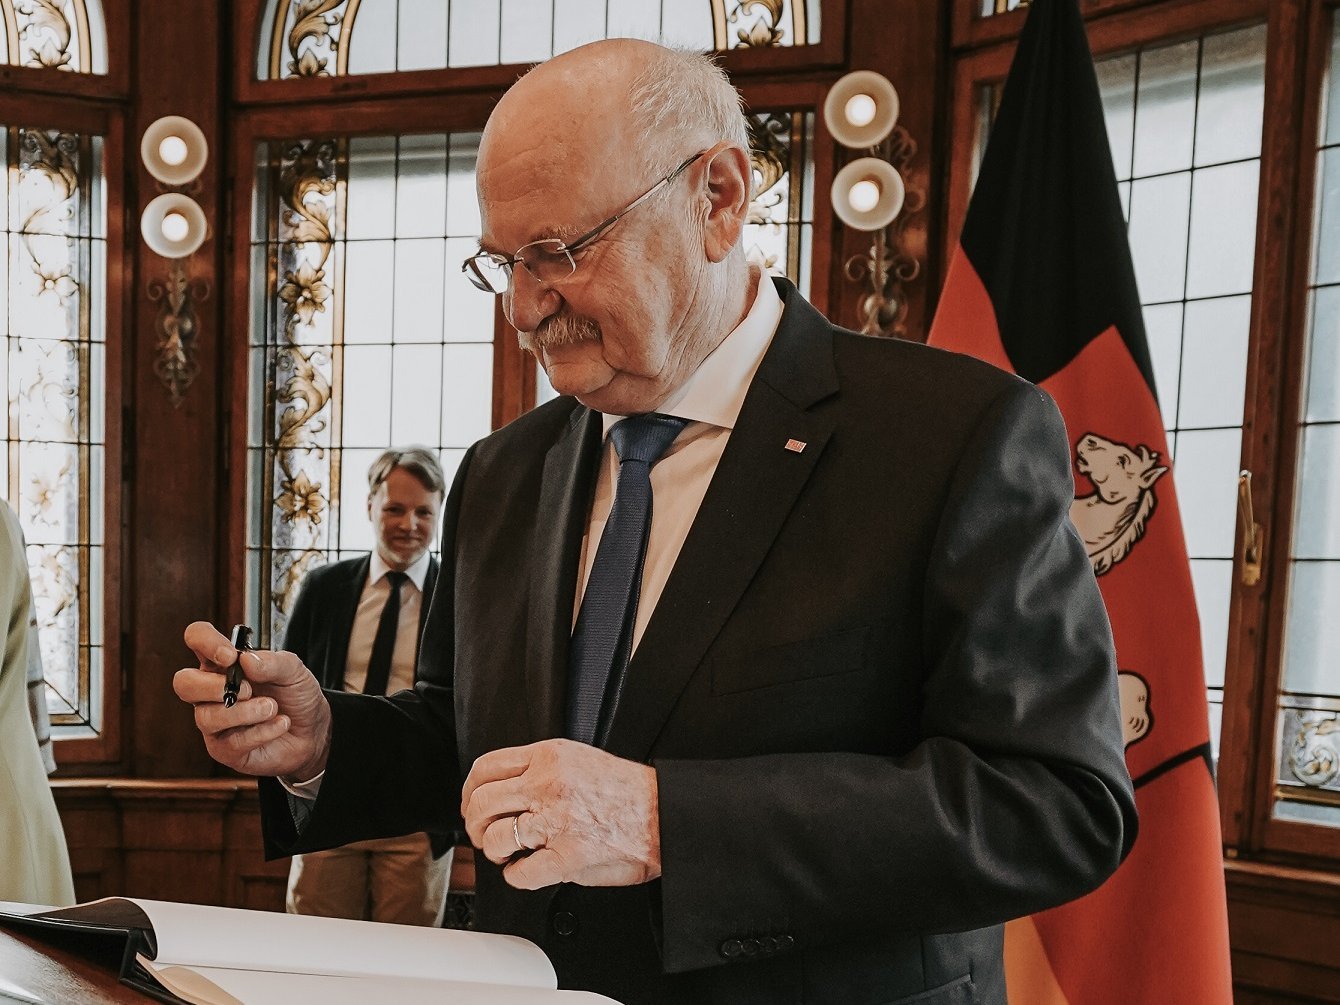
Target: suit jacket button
column 785, row 942
column 751, row 947
column 768, row 944
column 732, row 948
column 564, row 923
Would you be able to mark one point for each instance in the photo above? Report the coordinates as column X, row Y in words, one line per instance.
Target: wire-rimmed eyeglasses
column 551, row 260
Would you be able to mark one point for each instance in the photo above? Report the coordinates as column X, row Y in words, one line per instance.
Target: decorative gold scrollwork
column 764, row 32
column 175, row 364
column 887, row 268
column 47, row 33
column 313, row 21
column 1314, row 755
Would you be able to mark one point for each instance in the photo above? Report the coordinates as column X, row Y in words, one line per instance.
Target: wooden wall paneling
column 906, row 42
column 177, row 507
column 1284, row 925
column 191, row 840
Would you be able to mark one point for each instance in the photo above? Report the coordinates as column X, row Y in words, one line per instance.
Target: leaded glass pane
column 54, row 365
column 309, row 38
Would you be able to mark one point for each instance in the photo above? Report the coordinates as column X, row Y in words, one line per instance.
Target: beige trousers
column 395, row 880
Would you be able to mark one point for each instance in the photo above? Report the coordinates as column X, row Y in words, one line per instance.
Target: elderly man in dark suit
column 811, row 727
column 356, row 624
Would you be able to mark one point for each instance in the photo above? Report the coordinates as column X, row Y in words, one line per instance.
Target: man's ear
column 729, row 179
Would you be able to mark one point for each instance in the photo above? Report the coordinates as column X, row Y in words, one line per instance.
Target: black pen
column 232, row 683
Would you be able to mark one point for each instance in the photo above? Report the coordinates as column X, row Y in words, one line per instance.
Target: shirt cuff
column 307, row 790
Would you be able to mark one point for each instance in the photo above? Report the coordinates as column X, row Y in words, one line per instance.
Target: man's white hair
column 681, row 98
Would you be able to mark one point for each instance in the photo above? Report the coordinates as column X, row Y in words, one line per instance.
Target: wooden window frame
column 1298, row 38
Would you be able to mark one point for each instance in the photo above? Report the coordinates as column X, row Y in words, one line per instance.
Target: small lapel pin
column 795, row 446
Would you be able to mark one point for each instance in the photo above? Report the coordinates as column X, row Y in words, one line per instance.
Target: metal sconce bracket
column 886, row 268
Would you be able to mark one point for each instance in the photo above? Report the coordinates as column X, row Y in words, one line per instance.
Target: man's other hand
column 559, row 811
column 281, row 723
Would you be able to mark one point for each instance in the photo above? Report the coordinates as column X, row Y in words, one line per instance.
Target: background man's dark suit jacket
column 322, row 621
column 878, row 688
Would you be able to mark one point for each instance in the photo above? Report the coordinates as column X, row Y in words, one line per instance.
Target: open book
column 186, row 953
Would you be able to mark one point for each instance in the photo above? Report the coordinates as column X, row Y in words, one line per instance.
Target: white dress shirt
column 368, row 615
column 710, row 399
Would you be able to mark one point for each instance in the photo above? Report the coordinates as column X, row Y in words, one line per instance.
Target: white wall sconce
column 174, row 150
column 174, row 226
column 869, row 194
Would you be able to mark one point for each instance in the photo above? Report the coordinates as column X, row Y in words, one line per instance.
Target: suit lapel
column 754, row 488
column 344, row 606
column 565, row 496
column 425, row 601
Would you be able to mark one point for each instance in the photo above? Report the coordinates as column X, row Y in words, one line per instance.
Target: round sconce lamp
column 861, row 109
column 868, row 194
column 174, row 150
column 173, row 225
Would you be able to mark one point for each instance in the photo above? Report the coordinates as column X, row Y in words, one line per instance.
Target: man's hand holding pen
column 280, row 724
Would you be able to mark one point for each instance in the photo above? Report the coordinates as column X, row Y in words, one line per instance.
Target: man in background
column 357, row 625
column 36, row 864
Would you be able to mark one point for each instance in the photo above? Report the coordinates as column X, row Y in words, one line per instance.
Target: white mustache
column 560, row 330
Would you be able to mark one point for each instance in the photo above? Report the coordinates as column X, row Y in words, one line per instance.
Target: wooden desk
column 31, row 970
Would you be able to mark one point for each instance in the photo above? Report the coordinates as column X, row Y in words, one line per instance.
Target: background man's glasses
column 551, row 260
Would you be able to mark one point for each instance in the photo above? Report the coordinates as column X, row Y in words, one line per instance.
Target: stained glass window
column 52, row 286
column 1308, row 764
column 56, row 34
column 306, row 38
column 364, row 335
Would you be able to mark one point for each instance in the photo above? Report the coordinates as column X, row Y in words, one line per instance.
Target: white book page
column 216, row 986
column 231, row 938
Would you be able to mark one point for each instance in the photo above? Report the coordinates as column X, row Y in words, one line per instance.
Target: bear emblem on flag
column 1113, row 518
column 1137, row 718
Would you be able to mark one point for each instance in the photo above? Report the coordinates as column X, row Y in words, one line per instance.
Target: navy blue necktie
column 383, row 644
column 603, row 637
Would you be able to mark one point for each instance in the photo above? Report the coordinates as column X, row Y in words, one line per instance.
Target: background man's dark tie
column 383, row 646
column 603, row 637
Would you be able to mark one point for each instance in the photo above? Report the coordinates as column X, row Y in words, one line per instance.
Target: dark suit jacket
column 878, row 689
column 318, row 630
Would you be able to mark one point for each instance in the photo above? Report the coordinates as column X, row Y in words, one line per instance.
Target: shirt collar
column 417, row 573
column 714, row 393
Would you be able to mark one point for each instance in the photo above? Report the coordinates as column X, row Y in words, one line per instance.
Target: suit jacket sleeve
column 366, row 792
column 1015, row 799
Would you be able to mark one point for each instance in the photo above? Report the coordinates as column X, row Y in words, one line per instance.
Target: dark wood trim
column 363, row 116
column 1290, row 361
column 972, row 32
column 1273, row 316
column 173, row 572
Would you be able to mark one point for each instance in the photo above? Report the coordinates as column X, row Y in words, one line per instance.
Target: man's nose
column 528, row 302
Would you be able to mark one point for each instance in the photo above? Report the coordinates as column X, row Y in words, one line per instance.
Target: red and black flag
column 1042, row 284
